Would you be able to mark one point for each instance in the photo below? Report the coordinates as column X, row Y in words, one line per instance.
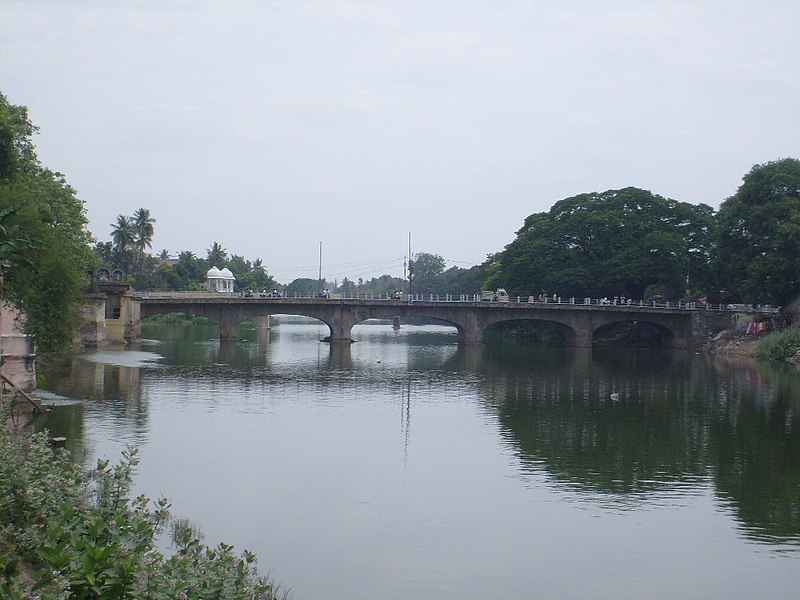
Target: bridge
column 681, row 324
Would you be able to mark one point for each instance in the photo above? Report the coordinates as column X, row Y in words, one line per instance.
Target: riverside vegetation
column 72, row 532
column 781, row 345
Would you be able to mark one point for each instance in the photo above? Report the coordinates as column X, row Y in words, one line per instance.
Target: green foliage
column 179, row 319
column 17, row 153
column 304, row 286
column 780, row 345
column 143, row 235
column 385, row 284
column 85, row 537
column 456, row 280
column 43, row 236
column 603, row 244
column 425, row 270
column 217, row 255
column 759, row 235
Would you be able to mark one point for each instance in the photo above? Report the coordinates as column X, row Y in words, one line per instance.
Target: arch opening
column 414, row 330
column 633, row 334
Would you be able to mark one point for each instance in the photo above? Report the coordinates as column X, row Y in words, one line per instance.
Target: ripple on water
column 129, row 358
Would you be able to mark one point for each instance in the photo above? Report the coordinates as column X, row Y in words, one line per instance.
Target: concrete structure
column 110, row 315
column 580, row 322
column 17, row 356
column 219, row 280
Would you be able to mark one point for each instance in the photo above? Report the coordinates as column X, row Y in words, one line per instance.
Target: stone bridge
column 681, row 326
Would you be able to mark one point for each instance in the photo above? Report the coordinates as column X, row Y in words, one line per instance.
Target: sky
column 286, row 130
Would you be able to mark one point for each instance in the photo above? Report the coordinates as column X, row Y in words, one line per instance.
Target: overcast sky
column 272, row 127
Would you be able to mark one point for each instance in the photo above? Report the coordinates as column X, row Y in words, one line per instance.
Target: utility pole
column 319, row 280
column 410, row 266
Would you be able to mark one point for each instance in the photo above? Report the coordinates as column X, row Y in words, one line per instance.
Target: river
column 405, row 467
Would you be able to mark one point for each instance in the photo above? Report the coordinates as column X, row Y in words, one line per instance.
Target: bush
column 780, row 345
column 81, row 535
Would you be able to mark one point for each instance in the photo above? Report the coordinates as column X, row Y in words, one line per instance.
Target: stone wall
column 17, row 356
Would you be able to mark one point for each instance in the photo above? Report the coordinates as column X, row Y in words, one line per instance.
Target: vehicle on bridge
column 262, row 294
column 499, row 295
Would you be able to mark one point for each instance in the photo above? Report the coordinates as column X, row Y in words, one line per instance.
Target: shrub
column 83, row 536
column 780, row 345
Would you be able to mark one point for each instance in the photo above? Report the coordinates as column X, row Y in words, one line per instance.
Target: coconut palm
column 122, row 233
column 217, row 255
column 122, row 237
column 143, row 234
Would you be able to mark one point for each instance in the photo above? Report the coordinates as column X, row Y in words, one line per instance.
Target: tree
column 456, row 280
column 609, row 243
column 304, row 286
column 425, row 268
column 217, row 255
column 759, row 235
column 190, row 271
column 17, row 152
column 142, row 234
column 122, row 239
column 41, row 209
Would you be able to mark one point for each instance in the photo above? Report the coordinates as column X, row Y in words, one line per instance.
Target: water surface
column 404, row 466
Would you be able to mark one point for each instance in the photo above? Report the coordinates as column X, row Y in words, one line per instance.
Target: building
column 219, row 280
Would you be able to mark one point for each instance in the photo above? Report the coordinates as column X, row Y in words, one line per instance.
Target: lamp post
column 319, row 279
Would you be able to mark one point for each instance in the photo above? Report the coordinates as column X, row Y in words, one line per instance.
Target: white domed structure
column 219, row 280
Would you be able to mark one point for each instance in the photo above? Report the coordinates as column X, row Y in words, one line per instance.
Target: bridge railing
column 470, row 298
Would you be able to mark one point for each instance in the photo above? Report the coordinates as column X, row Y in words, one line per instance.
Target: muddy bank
column 733, row 343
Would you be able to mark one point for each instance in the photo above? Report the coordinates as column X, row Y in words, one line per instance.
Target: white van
column 499, row 295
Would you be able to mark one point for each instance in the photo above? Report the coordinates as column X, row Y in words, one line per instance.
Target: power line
column 357, row 265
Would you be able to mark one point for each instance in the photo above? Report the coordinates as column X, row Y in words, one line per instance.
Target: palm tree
column 122, row 233
column 217, row 255
column 143, row 231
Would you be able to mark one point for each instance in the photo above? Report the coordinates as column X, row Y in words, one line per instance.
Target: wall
column 17, row 357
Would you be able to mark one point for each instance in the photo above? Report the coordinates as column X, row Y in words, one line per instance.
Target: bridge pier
column 580, row 338
column 227, row 326
column 470, row 329
column 341, row 325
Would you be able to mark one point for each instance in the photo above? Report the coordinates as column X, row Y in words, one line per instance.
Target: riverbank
column 732, row 343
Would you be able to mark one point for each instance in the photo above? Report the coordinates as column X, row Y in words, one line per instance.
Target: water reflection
column 613, row 430
column 629, row 425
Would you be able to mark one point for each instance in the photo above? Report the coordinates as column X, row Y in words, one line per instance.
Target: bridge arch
column 634, row 332
column 389, row 312
column 531, row 330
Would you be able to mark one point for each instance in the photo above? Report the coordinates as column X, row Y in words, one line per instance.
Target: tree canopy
column 609, row 243
column 759, row 234
column 425, row 270
column 38, row 206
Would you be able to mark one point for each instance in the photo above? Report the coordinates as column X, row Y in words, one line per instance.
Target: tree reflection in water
column 631, row 426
